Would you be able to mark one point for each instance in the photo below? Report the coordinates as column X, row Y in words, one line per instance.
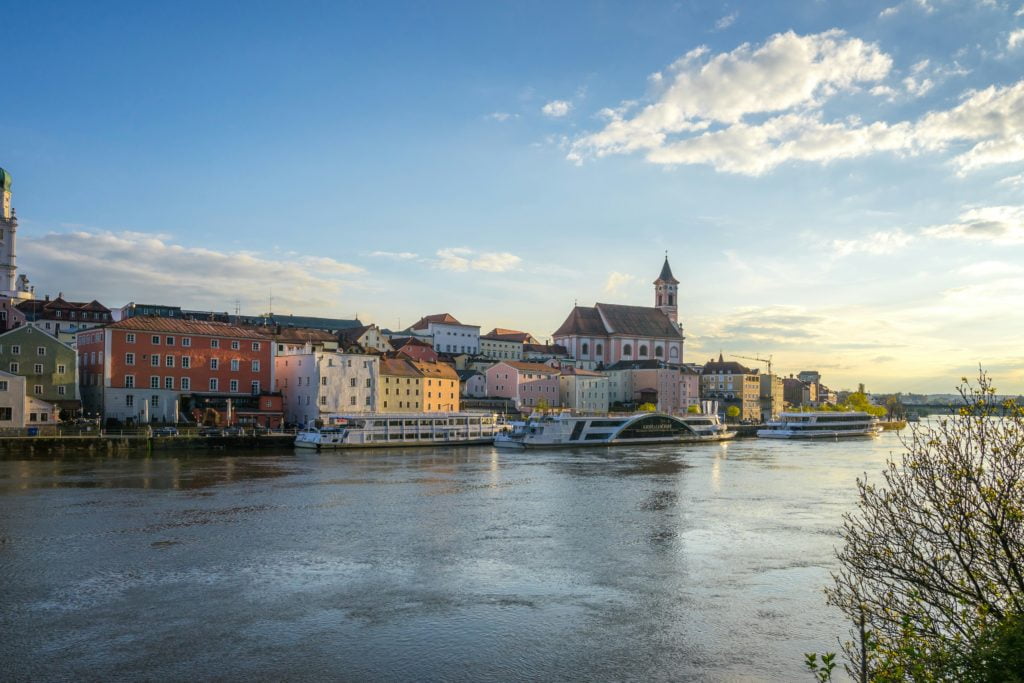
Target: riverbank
column 129, row 445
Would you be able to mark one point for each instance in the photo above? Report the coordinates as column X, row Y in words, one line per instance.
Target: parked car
column 234, row 431
column 165, row 431
column 211, row 431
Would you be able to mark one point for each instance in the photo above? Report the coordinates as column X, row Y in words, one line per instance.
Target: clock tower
column 666, row 293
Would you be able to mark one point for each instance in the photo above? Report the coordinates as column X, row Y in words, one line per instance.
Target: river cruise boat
column 821, row 425
column 555, row 431
column 394, row 429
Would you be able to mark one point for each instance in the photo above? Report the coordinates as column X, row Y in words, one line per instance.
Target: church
column 604, row 334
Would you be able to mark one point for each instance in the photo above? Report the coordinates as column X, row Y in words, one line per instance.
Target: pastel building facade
column 732, row 384
column 318, row 386
column 400, row 387
column 583, row 391
column 49, row 366
column 527, row 384
column 447, row 334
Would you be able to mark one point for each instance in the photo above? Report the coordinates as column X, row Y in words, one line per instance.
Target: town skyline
column 858, row 212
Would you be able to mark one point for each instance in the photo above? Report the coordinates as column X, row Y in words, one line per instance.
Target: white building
column 583, row 391
column 448, row 335
column 315, row 385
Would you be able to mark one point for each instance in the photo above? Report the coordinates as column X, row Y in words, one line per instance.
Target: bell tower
column 8, row 227
column 666, row 293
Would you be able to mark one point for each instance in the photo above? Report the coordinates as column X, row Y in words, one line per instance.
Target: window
column 627, row 350
column 37, row 369
column 213, row 384
column 214, row 364
column 255, row 366
column 323, row 400
column 367, row 400
column 215, row 343
column 255, row 346
column 129, row 381
column 155, row 339
column 154, row 382
column 351, row 400
column 169, row 361
column 186, row 361
column 169, row 341
column 658, row 351
column 598, row 349
column 186, row 341
column 154, row 360
column 643, row 349
column 186, row 384
column 154, row 401
column 586, row 348
column 255, row 386
column 234, row 365
column 3, row 385
column 323, row 381
column 37, row 389
column 168, row 382
column 129, row 338
column 16, row 349
column 352, row 382
column 367, row 382
column 129, row 400
column 233, row 386
column 129, row 359
column 14, row 368
column 40, row 350
column 235, row 345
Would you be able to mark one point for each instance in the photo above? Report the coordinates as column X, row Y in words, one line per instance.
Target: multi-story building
column 440, row 387
column 650, row 381
column 542, row 353
column 153, row 369
column 773, row 398
column 399, row 389
column 732, row 384
column 583, row 391
column 528, row 384
column 797, row 393
column 605, row 334
column 500, row 348
column 291, row 340
column 447, row 334
column 473, row 383
column 690, row 390
column 48, row 365
column 18, row 410
column 317, row 386
column 64, row 319
column 368, row 337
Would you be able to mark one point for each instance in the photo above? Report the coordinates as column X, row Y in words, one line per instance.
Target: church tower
column 666, row 293
column 11, row 287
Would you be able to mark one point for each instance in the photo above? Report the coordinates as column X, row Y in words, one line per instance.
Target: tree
column 542, row 405
column 647, row 408
column 732, row 412
column 932, row 568
column 693, row 410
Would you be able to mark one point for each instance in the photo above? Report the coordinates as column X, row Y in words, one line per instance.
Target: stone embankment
column 129, row 445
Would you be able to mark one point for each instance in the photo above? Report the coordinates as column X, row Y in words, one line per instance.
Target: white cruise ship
column 642, row 428
column 821, row 425
column 397, row 429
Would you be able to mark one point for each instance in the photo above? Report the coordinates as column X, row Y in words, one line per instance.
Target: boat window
column 596, row 437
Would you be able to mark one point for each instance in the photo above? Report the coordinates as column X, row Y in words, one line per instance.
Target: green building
column 50, row 367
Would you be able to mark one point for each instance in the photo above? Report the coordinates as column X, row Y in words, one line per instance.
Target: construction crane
column 767, row 360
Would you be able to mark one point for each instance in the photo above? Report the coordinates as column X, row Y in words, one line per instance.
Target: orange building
column 152, row 369
column 440, row 387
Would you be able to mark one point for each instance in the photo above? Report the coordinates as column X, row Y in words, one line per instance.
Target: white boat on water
column 643, row 428
column 821, row 425
column 394, row 429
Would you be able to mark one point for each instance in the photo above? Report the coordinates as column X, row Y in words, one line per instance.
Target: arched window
column 599, row 350
column 627, row 350
column 659, row 299
column 658, row 351
column 671, row 300
column 586, row 348
column 643, row 349
column 674, row 352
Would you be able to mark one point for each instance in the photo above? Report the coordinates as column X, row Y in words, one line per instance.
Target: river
column 698, row 562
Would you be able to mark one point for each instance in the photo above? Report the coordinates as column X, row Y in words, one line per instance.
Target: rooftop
column 152, row 323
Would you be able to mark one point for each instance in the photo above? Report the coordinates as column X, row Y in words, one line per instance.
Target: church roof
column 666, row 274
column 605, row 319
column 5, row 180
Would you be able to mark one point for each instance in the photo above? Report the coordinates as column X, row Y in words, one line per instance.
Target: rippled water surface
column 663, row 563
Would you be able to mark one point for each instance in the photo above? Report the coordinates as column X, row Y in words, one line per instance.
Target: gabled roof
column 552, row 349
column 529, row 367
column 728, row 367
column 424, row 322
column 570, row 370
column 152, row 323
column 296, row 335
column 666, row 274
column 353, row 334
column 606, row 319
column 437, row 370
column 398, row 366
column 43, row 308
column 502, row 334
column 582, row 320
column 329, row 324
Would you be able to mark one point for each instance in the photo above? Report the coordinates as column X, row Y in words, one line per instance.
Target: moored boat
column 821, row 425
column 396, row 429
column 643, row 428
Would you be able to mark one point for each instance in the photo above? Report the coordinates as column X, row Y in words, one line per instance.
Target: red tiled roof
column 530, row 367
column 147, row 323
column 398, row 367
column 606, row 319
column 425, row 321
column 442, row 370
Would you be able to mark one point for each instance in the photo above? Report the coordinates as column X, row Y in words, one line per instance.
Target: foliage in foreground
column 932, row 569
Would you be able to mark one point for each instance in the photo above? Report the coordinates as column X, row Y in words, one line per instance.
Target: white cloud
column 888, row 12
column 617, row 281
column 502, row 116
column 712, row 110
column 397, row 255
column 117, row 267
column 460, row 259
column 556, row 108
column 990, row 269
column 1013, row 180
column 1015, row 40
column 878, row 243
column 998, row 224
column 727, row 21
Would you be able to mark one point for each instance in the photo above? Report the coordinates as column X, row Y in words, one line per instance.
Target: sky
column 838, row 185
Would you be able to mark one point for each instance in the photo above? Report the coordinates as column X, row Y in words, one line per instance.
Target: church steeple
column 666, row 293
column 11, row 287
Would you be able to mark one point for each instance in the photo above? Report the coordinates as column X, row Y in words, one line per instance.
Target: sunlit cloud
column 461, row 259
column 556, row 108
column 997, row 224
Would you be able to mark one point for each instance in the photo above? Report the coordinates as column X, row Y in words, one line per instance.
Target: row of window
column 186, row 362
column 351, row 400
column 187, row 341
column 185, row 384
column 37, row 369
column 7, row 414
column 16, row 350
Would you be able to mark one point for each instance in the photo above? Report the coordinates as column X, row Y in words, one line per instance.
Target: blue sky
column 838, row 184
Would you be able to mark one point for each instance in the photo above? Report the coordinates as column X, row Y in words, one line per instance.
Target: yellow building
column 441, row 387
column 400, row 387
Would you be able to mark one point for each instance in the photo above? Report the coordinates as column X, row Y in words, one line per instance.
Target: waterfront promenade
column 701, row 562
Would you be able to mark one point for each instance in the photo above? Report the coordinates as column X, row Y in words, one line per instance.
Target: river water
column 649, row 563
